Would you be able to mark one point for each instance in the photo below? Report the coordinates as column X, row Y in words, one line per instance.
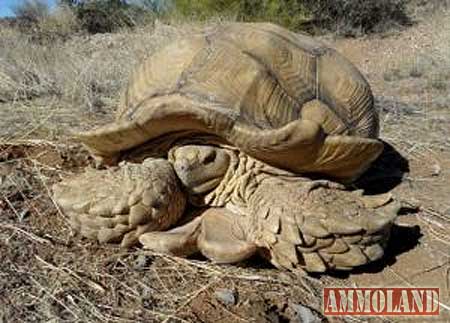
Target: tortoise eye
column 210, row 157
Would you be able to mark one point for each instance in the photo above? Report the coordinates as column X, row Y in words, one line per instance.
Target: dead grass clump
column 413, row 67
column 87, row 70
column 421, row 9
column 59, row 26
column 435, row 74
column 440, row 80
column 29, row 12
column 27, row 70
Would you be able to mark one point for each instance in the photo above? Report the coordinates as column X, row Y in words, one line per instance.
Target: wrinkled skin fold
column 248, row 207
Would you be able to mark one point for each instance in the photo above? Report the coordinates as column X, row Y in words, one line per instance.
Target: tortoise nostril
column 210, row 157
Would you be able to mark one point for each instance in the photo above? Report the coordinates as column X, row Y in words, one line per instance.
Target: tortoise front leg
column 120, row 204
column 319, row 226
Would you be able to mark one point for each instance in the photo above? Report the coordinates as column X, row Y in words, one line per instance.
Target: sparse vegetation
column 347, row 17
column 436, row 75
column 60, row 25
column 106, row 16
column 441, row 80
column 415, row 67
column 355, row 17
column 289, row 13
column 56, row 78
column 31, row 11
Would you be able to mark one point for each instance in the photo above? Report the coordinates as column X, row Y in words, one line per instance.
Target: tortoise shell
column 281, row 97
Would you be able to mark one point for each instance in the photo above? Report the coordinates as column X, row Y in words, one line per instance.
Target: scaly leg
column 122, row 203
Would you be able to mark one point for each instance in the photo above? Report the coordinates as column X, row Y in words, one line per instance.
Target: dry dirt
column 47, row 273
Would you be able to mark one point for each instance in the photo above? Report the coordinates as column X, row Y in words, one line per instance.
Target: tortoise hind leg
column 214, row 233
column 221, row 238
column 180, row 241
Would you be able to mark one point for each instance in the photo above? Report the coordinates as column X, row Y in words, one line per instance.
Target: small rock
column 436, row 171
column 226, row 296
column 305, row 314
column 273, row 317
column 23, row 214
column 141, row 262
column 284, row 277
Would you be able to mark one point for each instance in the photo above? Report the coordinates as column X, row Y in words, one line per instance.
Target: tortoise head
column 200, row 168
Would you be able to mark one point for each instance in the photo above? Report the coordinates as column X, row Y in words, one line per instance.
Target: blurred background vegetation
column 344, row 17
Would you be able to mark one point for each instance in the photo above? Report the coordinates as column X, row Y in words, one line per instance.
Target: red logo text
column 381, row 301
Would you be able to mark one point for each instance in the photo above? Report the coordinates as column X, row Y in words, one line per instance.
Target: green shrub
column 347, row 17
column 289, row 13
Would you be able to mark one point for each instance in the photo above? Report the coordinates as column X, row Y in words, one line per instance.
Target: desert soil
column 48, row 273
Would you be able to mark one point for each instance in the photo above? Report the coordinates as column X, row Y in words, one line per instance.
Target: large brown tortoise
column 231, row 122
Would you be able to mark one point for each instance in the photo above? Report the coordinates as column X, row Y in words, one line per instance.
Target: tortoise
column 251, row 95
column 282, row 98
column 242, row 207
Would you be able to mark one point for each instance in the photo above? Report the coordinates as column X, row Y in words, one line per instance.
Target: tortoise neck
column 243, row 177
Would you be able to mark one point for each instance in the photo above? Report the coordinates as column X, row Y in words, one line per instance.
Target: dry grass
column 82, row 70
column 49, row 274
column 63, row 83
column 436, row 74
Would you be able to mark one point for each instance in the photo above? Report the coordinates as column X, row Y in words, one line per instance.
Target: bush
column 31, row 11
column 42, row 26
column 342, row 16
column 350, row 17
column 28, row 14
column 60, row 25
column 345, row 17
column 106, row 16
column 289, row 13
column 292, row 14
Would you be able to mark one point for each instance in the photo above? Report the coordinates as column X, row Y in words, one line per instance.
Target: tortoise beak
column 390, row 211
